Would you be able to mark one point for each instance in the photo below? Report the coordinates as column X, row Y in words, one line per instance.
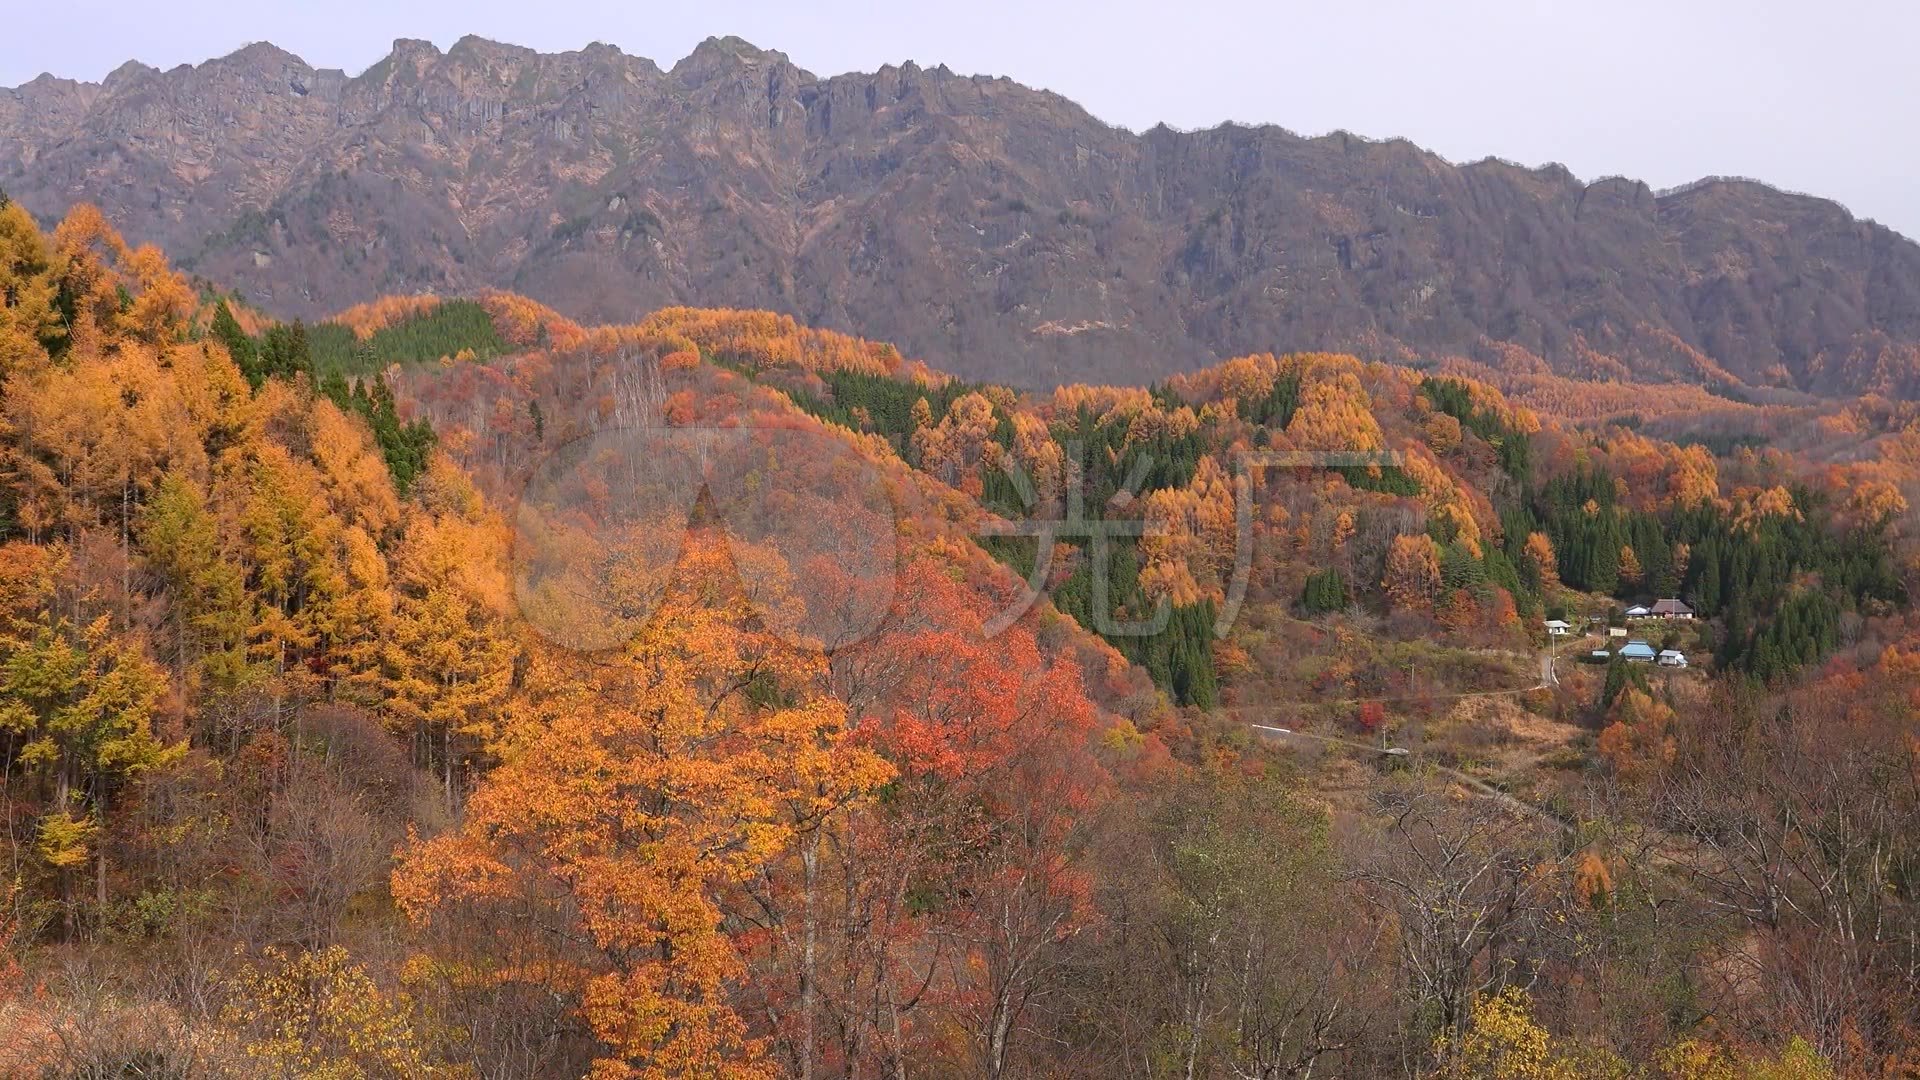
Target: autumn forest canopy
column 449, row 689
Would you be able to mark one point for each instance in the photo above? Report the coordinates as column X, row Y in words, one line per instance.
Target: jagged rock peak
column 47, row 82
column 718, row 55
column 264, row 53
column 414, row 47
column 474, row 46
column 129, row 72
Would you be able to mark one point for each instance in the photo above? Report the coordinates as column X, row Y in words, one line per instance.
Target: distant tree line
column 461, row 328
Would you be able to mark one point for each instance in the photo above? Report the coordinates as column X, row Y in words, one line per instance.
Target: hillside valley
column 451, row 688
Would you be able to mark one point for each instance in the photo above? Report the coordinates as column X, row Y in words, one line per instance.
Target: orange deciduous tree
column 675, row 771
column 1540, row 551
column 1412, row 576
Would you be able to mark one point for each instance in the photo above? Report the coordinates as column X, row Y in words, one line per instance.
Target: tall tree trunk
column 100, row 855
column 68, row 922
column 1193, row 1031
column 810, row 936
column 899, row 1042
column 998, row 1031
column 126, row 552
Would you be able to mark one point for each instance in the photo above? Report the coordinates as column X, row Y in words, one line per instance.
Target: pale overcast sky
column 1823, row 98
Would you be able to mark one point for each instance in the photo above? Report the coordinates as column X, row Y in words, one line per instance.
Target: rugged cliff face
column 996, row 230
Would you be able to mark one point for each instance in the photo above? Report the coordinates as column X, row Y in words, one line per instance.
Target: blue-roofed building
column 1638, row 652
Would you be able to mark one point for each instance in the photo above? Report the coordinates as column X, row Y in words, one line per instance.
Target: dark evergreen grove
column 452, row 327
column 1777, row 584
column 1325, row 591
column 405, row 446
column 287, row 350
column 1515, row 448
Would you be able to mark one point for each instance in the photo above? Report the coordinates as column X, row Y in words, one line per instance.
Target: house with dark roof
column 1671, row 609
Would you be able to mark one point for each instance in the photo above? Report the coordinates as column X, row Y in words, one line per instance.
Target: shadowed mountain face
column 995, row 230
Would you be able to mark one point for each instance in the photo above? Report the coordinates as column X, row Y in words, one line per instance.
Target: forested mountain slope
column 998, row 231
column 451, row 689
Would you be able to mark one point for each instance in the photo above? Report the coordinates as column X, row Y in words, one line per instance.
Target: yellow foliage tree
column 447, row 662
column 1442, row 433
column 319, row 1016
column 1189, row 540
column 1696, row 1059
column 1335, row 414
column 1694, row 479
column 1503, row 1042
column 1752, row 506
column 1630, row 569
column 29, row 320
column 955, row 448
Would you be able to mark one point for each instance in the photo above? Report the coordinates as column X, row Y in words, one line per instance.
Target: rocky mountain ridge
column 995, row 230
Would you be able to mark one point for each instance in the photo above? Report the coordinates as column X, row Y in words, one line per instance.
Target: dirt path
column 1549, row 677
column 1472, row 783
